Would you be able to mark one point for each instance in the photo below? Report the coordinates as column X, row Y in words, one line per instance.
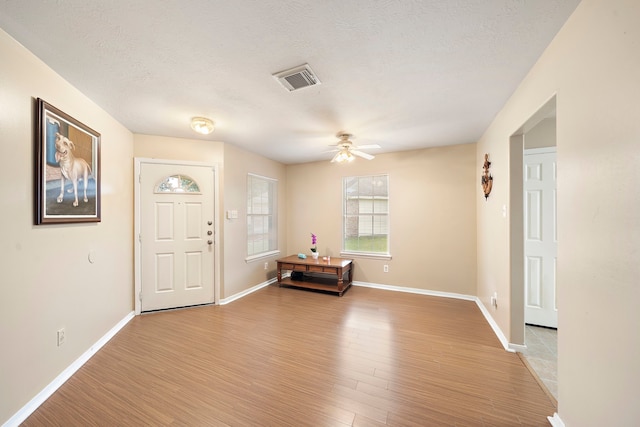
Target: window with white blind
column 365, row 214
column 262, row 216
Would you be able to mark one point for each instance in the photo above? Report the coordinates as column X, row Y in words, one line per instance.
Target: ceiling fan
column 346, row 150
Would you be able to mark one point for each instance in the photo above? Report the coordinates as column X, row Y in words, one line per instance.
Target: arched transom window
column 177, row 184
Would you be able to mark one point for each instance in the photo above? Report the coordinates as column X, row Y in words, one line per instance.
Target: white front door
column 176, row 235
column 541, row 243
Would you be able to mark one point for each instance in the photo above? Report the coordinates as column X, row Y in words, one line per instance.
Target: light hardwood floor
column 287, row 357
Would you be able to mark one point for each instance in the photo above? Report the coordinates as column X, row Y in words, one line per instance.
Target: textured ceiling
column 403, row 74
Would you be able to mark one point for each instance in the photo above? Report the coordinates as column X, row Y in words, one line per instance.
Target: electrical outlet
column 266, row 265
column 61, row 336
column 385, row 268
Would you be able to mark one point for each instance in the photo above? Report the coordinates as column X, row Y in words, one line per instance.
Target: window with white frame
column 365, row 214
column 262, row 215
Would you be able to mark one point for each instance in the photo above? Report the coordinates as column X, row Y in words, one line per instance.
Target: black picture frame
column 67, row 168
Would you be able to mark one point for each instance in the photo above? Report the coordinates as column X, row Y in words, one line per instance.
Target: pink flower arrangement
column 314, row 241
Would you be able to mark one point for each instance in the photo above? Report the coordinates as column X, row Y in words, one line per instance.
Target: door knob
column 210, row 242
column 209, row 232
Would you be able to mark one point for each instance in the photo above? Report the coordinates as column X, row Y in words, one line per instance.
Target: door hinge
column 140, row 178
column 140, row 237
column 140, row 296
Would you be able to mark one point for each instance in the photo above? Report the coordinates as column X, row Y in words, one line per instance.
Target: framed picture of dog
column 67, row 168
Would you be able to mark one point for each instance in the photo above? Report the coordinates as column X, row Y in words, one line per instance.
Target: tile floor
column 542, row 355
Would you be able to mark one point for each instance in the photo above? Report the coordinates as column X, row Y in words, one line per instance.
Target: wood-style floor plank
column 288, row 357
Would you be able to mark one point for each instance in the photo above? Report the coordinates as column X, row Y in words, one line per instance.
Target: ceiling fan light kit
column 343, row 156
column 347, row 151
column 202, row 125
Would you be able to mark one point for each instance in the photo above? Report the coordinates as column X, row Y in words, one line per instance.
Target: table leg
column 279, row 275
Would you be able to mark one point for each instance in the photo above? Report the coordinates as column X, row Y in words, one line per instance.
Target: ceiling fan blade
column 363, row 155
column 365, row 147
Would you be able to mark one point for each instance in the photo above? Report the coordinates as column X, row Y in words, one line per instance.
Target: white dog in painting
column 73, row 168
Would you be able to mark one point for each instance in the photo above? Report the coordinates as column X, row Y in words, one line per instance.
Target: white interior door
column 176, row 235
column 540, row 237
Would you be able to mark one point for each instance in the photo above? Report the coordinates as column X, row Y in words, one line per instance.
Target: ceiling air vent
column 297, row 78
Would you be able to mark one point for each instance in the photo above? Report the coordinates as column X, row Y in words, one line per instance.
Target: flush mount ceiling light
column 202, row 125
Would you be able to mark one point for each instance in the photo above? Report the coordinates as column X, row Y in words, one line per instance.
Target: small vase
column 314, row 255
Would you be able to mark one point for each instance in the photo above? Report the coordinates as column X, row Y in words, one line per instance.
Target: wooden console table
column 313, row 271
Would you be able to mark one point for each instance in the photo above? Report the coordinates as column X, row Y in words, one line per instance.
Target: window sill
column 261, row 256
column 365, row 255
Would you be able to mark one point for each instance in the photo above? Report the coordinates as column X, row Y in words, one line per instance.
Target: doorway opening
column 533, row 273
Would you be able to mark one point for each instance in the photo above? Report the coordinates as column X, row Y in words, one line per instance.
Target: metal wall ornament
column 487, row 179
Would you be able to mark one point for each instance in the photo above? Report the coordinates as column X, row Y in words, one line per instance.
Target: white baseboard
column 483, row 309
column 247, row 291
column 494, row 326
column 30, row 407
column 517, row 348
column 414, row 291
column 39, row 399
column 45, row 393
column 555, row 421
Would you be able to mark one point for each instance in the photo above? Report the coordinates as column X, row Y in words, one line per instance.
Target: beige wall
column 167, row 148
column 432, row 214
column 542, row 135
column 593, row 67
column 233, row 164
column 47, row 281
column 240, row 274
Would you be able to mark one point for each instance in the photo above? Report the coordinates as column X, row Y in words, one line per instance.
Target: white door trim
column 138, row 162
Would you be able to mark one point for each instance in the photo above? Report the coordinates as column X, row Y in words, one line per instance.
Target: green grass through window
column 377, row 244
